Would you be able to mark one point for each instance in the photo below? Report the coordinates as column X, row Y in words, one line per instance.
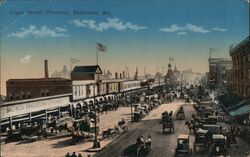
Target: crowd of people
column 73, row 155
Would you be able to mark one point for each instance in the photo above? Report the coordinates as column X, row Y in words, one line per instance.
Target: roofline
column 39, row 79
column 240, row 44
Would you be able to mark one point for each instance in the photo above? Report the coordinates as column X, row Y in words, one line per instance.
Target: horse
column 123, row 125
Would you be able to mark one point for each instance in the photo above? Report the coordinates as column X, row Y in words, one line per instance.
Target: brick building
column 37, row 87
column 241, row 69
column 219, row 71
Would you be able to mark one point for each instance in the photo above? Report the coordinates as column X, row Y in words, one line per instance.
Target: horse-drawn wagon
column 180, row 115
column 201, row 139
column 167, row 122
column 183, row 147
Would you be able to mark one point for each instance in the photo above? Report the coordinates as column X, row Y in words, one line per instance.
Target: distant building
column 136, row 77
column 176, row 74
column 169, row 76
column 36, row 87
column 241, row 68
column 106, row 76
column 187, row 76
column 63, row 74
column 218, row 72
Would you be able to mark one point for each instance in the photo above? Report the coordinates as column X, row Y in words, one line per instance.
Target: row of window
column 27, row 95
column 20, row 96
column 241, row 74
column 125, row 86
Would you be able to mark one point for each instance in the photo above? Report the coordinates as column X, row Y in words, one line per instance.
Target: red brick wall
column 35, row 88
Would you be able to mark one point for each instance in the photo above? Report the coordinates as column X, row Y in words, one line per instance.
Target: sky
column 136, row 33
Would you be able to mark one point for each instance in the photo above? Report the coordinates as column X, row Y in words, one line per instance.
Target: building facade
column 219, row 72
column 241, row 69
column 18, row 89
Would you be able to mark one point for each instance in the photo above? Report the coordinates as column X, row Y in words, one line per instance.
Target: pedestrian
column 79, row 155
column 74, row 154
column 67, row 155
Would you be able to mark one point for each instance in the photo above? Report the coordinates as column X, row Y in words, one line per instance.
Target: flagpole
column 96, row 56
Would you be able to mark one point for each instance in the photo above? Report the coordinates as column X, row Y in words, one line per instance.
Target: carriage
column 183, row 148
column 218, row 146
column 201, row 139
column 180, row 115
column 29, row 129
column 110, row 132
column 136, row 116
column 167, row 123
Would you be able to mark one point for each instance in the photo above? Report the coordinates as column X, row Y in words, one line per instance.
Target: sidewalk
column 58, row 147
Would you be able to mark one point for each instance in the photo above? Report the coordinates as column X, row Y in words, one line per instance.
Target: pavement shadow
column 130, row 150
column 62, row 144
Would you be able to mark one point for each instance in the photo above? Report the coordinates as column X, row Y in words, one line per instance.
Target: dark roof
column 38, row 79
column 90, row 69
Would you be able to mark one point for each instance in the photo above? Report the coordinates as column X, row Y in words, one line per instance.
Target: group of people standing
column 73, row 155
column 144, row 142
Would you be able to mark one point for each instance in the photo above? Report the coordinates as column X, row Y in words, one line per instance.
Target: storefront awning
column 240, row 111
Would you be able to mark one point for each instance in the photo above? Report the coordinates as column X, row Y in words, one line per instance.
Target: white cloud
column 181, row 33
column 44, row 31
column 59, row 29
column 219, row 29
column 111, row 23
column 25, row 59
column 182, row 30
column 172, row 28
column 188, row 27
column 196, row 29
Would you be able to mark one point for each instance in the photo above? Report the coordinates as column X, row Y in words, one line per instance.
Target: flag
column 73, row 60
column 101, row 48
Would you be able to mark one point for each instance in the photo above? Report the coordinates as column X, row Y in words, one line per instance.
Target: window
column 29, row 95
column 23, row 96
column 11, row 97
column 47, row 93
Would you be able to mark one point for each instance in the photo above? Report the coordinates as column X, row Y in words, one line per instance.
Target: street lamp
column 96, row 143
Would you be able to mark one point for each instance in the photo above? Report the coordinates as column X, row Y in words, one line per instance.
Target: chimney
column 46, row 71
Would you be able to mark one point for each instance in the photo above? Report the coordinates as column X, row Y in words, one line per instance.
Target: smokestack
column 46, row 71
